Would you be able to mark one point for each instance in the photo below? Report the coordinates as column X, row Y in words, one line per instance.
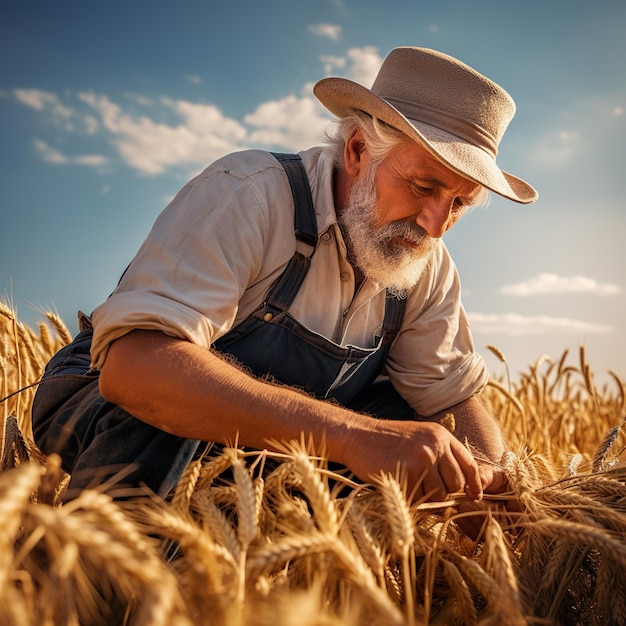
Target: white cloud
column 365, row 63
column 196, row 80
column 92, row 160
column 62, row 116
column 35, row 98
column 152, row 147
column 362, row 64
column 331, row 31
column 43, row 100
column 332, row 62
column 547, row 283
column 48, row 153
column 291, row 122
column 109, row 111
column 148, row 140
column 91, row 124
column 139, row 99
column 203, row 134
column 202, row 119
column 518, row 325
column 340, row 6
column 52, row 155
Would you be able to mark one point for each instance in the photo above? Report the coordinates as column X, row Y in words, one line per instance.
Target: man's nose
column 434, row 217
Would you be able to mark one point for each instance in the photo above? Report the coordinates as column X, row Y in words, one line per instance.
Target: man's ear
column 354, row 152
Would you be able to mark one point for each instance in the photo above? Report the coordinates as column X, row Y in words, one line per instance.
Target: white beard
column 373, row 250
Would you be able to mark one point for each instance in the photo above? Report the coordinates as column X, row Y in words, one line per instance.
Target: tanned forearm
column 184, row 389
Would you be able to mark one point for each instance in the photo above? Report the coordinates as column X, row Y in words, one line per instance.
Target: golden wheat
column 258, row 538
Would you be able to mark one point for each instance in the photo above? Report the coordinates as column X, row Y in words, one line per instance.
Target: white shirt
column 217, row 248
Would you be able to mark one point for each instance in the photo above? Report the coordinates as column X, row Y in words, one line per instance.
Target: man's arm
column 187, row 390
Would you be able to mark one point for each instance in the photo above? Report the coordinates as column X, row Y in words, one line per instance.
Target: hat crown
column 432, row 87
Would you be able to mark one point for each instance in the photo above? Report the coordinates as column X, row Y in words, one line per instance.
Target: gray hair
column 381, row 138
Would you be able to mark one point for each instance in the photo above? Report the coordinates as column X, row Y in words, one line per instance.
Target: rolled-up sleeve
column 432, row 363
column 203, row 251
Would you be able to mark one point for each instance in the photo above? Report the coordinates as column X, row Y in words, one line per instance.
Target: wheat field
column 256, row 538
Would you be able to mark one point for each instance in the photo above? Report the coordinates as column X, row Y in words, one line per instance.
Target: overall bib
column 98, row 441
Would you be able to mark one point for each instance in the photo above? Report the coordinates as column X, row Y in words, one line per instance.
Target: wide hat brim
column 341, row 96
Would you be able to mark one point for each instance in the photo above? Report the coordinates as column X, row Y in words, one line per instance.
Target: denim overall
column 98, row 441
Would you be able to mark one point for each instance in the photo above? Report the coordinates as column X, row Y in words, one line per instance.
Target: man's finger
column 469, row 467
column 493, row 479
column 451, row 474
column 433, row 485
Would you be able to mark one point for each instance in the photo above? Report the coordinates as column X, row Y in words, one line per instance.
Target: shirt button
column 345, row 276
column 268, row 317
column 326, row 237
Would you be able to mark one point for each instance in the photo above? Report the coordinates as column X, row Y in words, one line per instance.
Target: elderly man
column 281, row 295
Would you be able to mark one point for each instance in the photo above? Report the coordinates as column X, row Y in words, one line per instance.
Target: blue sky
column 106, row 109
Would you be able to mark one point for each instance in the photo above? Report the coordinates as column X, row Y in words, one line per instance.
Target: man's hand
column 434, row 461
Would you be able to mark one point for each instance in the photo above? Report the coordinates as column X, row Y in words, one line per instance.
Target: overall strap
column 305, row 222
column 394, row 314
column 305, row 226
column 287, row 286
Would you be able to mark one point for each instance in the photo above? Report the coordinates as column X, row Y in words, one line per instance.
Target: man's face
column 398, row 209
column 413, row 185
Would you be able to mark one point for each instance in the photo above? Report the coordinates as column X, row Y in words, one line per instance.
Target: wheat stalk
column 461, row 608
column 317, row 492
column 402, row 534
column 16, row 487
column 61, row 329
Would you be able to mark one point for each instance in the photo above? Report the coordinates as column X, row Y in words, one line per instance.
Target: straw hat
column 443, row 104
